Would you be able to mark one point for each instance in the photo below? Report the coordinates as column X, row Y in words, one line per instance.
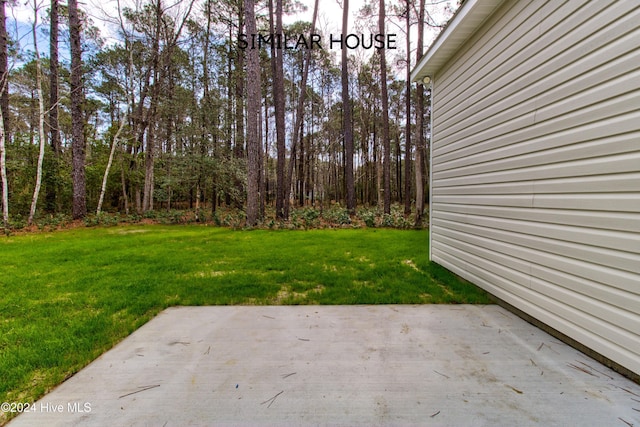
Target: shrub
column 53, row 221
column 337, row 215
column 17, row 222
column 305, row 217
column 103, row 219
column 387, row 220
column 368, row 216
column 150, row 215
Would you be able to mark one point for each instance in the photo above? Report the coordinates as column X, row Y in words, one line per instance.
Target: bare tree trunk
column 149, row 158
column 131, row 108
column 348, row 122
column 41, row 113
column 161, row 69
column 301, row 172
column 77, row 116
column 149, row 162
column 396, row 137
column 54, row 127
column 407, row 148
column 265, row 161
column 278, row 101
column 379, row 173
column 125, row 196
column 52, row 171
column 261, row 172
column 114, row 144
column 197, row 210
column 4, row 71
column 297, row 129
column 3, row 170
column 206, row 102
column 238, row 148
column 168, row 134
column 138, row 198
column 254, row 143
column 386, row 143
column 239, row 119
column 137, row 117
column 420, row 125
column 205, row 56
column 4, row 113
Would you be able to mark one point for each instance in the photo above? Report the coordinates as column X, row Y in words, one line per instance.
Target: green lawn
column 68, row 296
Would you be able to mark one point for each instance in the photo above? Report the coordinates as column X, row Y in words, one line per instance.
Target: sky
column 329, row 19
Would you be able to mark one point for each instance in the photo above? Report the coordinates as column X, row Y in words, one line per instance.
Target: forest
column 159, row 105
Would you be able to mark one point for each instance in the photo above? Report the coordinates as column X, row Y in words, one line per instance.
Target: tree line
column 177, row 114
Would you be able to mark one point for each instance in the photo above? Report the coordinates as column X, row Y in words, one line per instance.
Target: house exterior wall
column 536, row 167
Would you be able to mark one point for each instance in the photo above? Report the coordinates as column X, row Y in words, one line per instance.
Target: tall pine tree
column 79, row 209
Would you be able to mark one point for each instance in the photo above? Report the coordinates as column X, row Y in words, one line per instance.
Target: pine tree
column 79, row 209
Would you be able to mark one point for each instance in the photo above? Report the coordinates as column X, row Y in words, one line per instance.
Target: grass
column 66, row 297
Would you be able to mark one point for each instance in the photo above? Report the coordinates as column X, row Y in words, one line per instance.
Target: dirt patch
column 136, row 231
column 286, row 293
column 410, row 263
column 212, row 273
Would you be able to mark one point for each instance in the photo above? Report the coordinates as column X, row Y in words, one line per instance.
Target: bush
column 387, row 220
column 368, row 216
column 305, row 217
column 17, row 222
column 53, row 221
column 216, row 219
column 132, row 218
column 171, row 217
column 103, row 219
column 150, row 215
column 337, row 216
column 231, row 217
column 396, row 219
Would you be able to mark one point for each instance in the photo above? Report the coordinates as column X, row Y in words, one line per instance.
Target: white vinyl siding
column 536, row 167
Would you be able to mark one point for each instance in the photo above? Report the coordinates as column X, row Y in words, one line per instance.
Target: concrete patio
column 340, row 365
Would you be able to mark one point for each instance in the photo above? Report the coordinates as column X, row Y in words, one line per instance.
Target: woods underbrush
column 335, row 216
